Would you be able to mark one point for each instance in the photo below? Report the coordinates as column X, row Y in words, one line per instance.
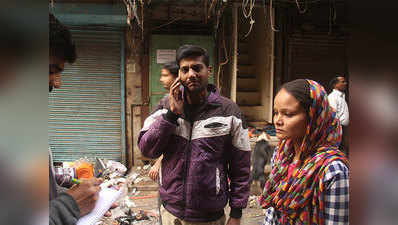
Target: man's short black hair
column 334, row 81
column 172, row 67
column 190, row 51
column 61, row 44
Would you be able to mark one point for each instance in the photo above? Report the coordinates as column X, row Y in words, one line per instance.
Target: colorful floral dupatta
column 300, row 197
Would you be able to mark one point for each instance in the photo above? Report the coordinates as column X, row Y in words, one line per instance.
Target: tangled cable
column 248, row 13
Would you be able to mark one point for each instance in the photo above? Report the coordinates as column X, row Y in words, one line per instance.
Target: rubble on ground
column 138, row 202
column 253, row 201
column 128, row 212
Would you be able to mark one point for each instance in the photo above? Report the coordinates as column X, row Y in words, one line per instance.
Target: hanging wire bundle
column 225, row 56
column 247, row 9
column 132, row 11
column 271, row 15
column 299, row 7
column 133, row 7
column 215, row 9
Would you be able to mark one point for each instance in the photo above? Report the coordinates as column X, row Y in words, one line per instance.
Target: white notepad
column 107, row 196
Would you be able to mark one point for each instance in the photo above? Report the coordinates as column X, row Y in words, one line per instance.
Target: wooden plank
column 246, row 69
column 253, row 113
column 248, row 98
column 248, row 84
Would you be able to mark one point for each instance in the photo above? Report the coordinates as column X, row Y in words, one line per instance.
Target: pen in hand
column 75, row 181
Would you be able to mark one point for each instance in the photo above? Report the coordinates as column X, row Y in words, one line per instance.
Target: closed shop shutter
column 317, row 56
column 85, row 113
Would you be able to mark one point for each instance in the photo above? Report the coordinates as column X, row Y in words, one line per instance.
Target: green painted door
column 162, row 48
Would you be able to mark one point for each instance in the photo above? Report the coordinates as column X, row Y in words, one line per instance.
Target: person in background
column 204, row 141
column 66, row 207
column 337, row 101
column 167, row 77
column 309, row 181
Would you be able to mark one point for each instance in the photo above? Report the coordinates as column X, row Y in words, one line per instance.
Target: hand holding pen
column 85, row 193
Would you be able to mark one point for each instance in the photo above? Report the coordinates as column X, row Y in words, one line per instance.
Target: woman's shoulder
column 335, row 171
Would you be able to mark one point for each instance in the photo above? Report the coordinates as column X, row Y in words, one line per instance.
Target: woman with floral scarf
column 309, row 179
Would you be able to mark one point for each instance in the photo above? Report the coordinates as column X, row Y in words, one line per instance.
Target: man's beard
column 196, row 90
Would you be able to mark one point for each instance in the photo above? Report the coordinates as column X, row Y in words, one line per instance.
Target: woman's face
column 290, row 118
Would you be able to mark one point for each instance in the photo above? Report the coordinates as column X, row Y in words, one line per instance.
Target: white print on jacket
column 217, row 181
column 230, row 125
column 182, row 129
column 152, row 118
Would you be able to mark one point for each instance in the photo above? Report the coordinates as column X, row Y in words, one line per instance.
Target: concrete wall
column 260, row 48
column 134, row 99
column 262, row 51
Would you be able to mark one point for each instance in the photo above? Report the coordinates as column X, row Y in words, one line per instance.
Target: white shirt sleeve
column 341, row 107
column 345, row 115
column 332, row 101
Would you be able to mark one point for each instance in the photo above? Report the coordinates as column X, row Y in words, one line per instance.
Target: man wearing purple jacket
column 204, row 141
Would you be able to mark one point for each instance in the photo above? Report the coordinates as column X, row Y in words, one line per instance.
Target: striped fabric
column 305, row 197
column 336, row 181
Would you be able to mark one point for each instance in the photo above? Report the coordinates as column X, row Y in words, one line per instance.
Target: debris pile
column 134, row 185
column 253, row 201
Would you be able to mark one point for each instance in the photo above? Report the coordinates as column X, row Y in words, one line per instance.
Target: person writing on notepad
column 67, row 207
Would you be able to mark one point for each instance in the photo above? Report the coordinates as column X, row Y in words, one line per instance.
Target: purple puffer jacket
column 200, row 154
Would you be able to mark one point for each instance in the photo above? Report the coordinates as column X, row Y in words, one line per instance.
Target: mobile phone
column 182, row 89
column 181, row 85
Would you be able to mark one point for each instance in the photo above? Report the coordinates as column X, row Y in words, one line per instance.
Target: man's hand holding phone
column 175, row 97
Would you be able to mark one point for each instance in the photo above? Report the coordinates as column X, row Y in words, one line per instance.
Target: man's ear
column 210, row 70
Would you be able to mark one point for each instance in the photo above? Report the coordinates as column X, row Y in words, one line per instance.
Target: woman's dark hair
column 189, row 51
column 300, row 89
column 172, row 67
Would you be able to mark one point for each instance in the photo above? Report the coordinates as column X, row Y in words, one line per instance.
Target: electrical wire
column 226, row 58
column 248, row 14
column 271, row 14
column 142, row 19
column 212, row 5
column 168, row 23
column 299, row 8
column 245, row 4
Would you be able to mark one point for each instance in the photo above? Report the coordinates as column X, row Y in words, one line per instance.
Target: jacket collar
column 341, row 94
column 214, row 97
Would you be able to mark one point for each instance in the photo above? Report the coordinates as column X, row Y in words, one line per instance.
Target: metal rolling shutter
column 317, row 56
column 85, row 113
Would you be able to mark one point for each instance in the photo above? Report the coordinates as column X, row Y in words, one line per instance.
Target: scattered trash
column 99, row 167
column 146, row 167
column 63, row 176
column 127, row 203
column 144, row 197
column 138, row 180
column 134, row 187
column 114, row 169
column 253, row 201
column 84, row 168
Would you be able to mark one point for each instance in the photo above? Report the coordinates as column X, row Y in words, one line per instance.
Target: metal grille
column 85, row 113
